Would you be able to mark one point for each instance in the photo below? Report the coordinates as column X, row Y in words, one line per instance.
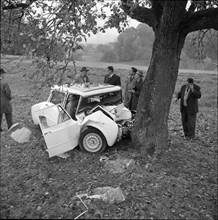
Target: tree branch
column 203, row 19
column 192, row 7
column 18, row 5
column 139, row 13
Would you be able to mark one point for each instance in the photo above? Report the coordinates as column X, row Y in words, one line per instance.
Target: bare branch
column 203, row 19
column 139, row 13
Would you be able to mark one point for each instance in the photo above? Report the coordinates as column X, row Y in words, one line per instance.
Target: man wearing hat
column 111, row 78
column 6, row 107
column 130, row 84
column 82, row 77
column 189, row 95
column 136, row 90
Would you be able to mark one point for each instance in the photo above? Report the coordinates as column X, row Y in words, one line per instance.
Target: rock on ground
column 109, row 194
column 21, row 135
column 119, row 165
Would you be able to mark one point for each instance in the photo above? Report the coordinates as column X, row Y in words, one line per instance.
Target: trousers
column 188, row 123
column 8, row 117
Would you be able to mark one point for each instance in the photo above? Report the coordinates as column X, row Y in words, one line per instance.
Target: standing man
column 189, row 95
column 130, row 84
column 136, row 90
column 111, row 78
column 6, row 107
column 82, row 77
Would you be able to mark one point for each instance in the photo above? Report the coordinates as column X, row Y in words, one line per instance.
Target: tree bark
column 150, row 131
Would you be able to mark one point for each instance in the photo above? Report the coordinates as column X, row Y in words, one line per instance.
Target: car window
column 111, row 98
column 53, row 116
column 88, row 103
column 57, row 97
column 94, row 99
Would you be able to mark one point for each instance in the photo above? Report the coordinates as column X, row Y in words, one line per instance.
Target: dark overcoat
column 135, row 95
column 192, row 100
column 5, row 98
column 113, row 80
column 130, row 84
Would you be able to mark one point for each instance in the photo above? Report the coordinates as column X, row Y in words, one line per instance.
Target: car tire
column 92, row 141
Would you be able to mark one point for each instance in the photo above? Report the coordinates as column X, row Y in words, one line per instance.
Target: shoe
column 1, row 129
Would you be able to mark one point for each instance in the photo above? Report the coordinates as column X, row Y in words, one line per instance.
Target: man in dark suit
column 136, row 90
column 111, row 77
column 5, row 97
column 189, row 95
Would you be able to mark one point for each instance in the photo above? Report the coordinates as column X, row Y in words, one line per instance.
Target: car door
column 60, row 131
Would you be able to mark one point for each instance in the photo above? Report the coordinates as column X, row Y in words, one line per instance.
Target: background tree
column 107, row 53
column 202, row 44
column 125, row 49
column 144, row 43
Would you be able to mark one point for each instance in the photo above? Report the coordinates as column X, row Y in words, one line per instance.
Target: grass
column 182, row 185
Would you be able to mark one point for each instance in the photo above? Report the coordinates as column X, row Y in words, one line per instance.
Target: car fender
column 120, row 112
column 107, row 126
column 37, row 107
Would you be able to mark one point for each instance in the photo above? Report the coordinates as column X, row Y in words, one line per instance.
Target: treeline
column 133, row 45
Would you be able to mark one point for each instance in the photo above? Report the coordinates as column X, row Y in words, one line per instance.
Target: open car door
column 60, row 131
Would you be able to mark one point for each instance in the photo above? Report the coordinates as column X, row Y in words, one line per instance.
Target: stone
column 109, row 194
column 21, row 135
column 119, row 165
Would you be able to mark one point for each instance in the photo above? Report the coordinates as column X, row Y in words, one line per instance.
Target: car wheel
column 92, row 140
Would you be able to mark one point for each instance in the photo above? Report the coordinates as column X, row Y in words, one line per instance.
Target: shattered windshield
column 111, row 98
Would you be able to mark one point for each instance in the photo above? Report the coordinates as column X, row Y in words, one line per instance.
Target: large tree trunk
column 150, row 131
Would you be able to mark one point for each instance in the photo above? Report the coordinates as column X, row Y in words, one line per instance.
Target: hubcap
column 92, row 142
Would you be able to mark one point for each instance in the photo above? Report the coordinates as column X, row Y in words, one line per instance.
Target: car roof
column 92, row 89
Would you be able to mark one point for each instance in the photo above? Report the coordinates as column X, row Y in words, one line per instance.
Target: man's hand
column 191, row 86
column 176, row 100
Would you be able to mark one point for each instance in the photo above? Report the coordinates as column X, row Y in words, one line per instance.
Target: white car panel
column 61, row 133
column 85, row 91
column 120, row 112
column 37, row 107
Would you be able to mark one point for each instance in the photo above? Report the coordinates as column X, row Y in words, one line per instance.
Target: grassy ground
column 182, row 185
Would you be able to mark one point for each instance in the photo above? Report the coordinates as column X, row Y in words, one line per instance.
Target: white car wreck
column 100, row 118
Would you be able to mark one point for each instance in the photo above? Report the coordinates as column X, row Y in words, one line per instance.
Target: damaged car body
column 100, row 119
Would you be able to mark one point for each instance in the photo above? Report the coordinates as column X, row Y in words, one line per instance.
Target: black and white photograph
column 109, row 109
